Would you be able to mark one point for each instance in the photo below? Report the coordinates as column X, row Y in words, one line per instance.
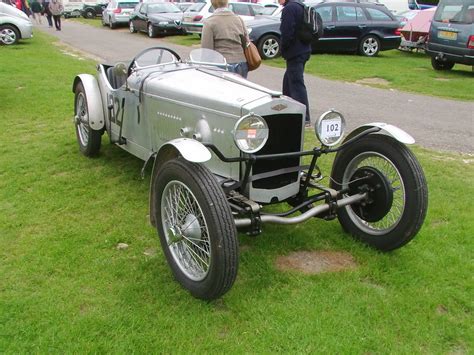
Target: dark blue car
column 348, row 27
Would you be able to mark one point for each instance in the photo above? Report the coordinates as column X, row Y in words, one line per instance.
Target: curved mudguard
column 189, row 149
column 385, row 128
column 93, row 98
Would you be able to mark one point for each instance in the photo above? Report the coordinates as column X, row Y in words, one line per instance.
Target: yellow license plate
column 447, row 35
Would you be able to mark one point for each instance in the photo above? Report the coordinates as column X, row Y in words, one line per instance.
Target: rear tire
column 398, row 192
column 196, row 228
column 111, row 24
column 441, row 65
column 88, row 138
column 269, row 47
column 369, row 46
column 89, row 14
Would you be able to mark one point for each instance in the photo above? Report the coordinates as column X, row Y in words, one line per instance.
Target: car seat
column 117, row 75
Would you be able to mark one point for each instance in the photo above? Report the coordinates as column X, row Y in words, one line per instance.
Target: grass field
column 66, row 288
column 393, row 69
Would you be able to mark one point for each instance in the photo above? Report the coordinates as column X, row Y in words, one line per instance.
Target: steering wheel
column 159, row 57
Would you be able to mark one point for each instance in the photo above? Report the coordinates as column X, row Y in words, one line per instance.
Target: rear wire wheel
column 88, row 138
column 196, row 228
column 397, row 191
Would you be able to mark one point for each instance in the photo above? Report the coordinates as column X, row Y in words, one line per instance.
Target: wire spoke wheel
column 88, row 138
column 196, row 228
column 386, row 167
column 186, row 230
column 397, row 195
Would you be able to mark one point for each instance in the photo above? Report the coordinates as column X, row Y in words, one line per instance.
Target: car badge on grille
column 177, row 22
column 279, row 107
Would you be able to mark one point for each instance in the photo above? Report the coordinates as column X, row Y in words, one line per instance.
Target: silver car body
column 206, row 109
column 14, row 25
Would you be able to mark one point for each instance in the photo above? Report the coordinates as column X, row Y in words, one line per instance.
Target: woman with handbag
column 223, row 33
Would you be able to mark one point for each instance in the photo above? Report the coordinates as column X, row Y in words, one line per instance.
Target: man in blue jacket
column 295, row 52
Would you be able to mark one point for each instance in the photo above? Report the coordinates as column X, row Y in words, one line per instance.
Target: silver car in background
column 14, row 25
column 118, row 12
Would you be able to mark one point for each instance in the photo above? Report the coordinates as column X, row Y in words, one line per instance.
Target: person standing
column 56, row 8
column 36, row 8
column 47, row 13
column 295, row 52
column 223, row 32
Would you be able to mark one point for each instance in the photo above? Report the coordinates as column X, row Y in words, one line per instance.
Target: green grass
column 402, row 71
column 65, row 288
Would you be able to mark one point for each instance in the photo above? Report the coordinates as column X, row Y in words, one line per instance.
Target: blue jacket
column 291, row 19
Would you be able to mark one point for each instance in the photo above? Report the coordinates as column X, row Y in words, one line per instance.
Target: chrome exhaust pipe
column 245, row 222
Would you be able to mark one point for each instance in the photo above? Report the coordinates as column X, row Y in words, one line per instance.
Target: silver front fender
column 385, row 128
column 190, row 149
column 93, row 98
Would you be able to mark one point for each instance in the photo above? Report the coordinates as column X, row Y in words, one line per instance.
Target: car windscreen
column 162, row 8
column 455, row 12
column 127, row 5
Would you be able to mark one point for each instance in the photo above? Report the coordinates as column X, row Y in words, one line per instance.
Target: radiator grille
column 284, row 137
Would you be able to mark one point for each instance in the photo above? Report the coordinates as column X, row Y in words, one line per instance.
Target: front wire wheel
column 196, row 228
column 88, row 138
column 397, row 191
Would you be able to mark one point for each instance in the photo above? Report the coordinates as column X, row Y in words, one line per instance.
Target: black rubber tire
column 412, row 179
column 131, row 27
column 89, row 14
column 441, row 65
column 369, row 46
column 90, row 147
column 151, row 31
column 222, row 233
column 10, row 29
column 269, row 53
column 111, row 24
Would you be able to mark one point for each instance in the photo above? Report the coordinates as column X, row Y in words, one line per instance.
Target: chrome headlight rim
column 337, row 118
column 236, row 130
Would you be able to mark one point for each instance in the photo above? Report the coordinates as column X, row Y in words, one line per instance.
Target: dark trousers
column 57, row 21
column 49, row 17
column 293, row 81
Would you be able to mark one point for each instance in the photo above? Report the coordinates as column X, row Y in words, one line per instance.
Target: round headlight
column 330, row 128
column 250, row 133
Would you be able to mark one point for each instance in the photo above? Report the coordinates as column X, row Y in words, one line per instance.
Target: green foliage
column 66, row 288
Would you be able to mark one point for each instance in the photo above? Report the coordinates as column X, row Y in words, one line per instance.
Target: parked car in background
column 156, row 19
column 193, row 18
column 73, row 9
column 93, row 10
column 451, row 38
column 362, row 28
column 183, row 6
column 118, row 12
column 415, row 31
column 14, row 25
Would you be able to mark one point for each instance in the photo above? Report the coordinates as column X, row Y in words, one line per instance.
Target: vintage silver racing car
column 222, row 148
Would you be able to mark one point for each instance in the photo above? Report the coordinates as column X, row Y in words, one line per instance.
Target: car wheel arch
column 180, row 147
column 94, row 99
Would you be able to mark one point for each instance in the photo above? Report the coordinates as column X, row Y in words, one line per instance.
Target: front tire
column 196, row 228
column 441, row 65
column 269, row 47
column 89, row 14
column 369, row 46
column 131, row 27
column 398, row 195
column 88, row 138
column 151, row 31
column 9, row 35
